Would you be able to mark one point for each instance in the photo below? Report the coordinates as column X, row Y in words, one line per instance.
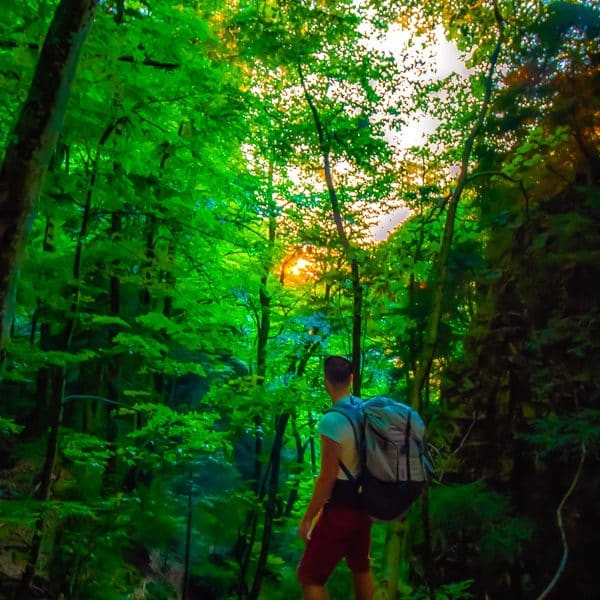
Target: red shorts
column 340, row 532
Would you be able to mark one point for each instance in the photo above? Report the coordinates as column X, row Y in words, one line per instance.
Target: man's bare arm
column 330, row 456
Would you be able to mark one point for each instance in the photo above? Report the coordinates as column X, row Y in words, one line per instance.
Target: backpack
column 394, row 467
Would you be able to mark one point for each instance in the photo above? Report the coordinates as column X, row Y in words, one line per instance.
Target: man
column 342, row 529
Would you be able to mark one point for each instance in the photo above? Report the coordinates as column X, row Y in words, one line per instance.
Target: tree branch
column 147, row 62
column 462, row 443
column 519, row 182
column 563, row 535
column 351, row 254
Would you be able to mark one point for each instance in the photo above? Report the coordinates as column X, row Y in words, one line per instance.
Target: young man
column 342, row 529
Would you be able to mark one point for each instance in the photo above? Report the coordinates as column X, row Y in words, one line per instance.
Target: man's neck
column 337, row 395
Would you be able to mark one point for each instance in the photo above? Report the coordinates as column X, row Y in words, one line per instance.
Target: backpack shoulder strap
column 350, row 420
column 356, row 437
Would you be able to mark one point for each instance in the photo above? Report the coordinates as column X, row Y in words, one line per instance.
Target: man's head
column 338, row 375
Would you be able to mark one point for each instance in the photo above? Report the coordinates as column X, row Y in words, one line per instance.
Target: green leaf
column 8, row 427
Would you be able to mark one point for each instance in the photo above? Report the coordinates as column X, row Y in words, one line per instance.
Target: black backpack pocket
column 384, row 500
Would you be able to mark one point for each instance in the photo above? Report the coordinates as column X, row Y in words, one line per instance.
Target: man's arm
column 330, row 456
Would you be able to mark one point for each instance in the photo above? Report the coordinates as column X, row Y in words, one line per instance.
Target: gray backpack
column 394, row 466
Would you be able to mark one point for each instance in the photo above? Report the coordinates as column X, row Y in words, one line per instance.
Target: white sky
column 446, row 60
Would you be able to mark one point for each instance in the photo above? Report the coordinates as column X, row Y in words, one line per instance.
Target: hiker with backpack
column 373, row 466
column 343, row 528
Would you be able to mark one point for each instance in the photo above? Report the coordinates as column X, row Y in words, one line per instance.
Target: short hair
column 338, row 370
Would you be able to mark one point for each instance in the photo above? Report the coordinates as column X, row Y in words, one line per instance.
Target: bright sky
column 446, row 59
column 387, row 223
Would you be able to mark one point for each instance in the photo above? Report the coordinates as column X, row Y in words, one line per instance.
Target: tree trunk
column 441, row 266
column 247, row 539
column 357, row 294
column 428, row 561
column 72, row 321
column 185, row 584
column 43, row 492
column 396, row 567
column 272, row 511
column 35, row 134
column 145, row 293
column 58, row 380
column 423, row 366
column 264, row 319
column 297, row 469
column 114, row 307
column 414, row 334
column 271, row 505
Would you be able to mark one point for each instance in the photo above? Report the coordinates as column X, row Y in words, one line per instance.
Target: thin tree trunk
column 35, row 134
column 423, row 366
column 428, row 562
column 295, row 370
column 185, row 584
column 271, row 506
column 147, row 265
column 58, row 383
column 414, row 330
column 441, row 268
column 300, row 452
column 38, row 419
column 357, row 292
column 114, row 307
column 70, row 328
column 43, row 492
column 115, row 282
column 264, row 327
column 392, row 560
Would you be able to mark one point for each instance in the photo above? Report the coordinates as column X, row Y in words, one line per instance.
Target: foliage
column 184, row 278
column 566, row 432
column 9, row 427
column 458, row 590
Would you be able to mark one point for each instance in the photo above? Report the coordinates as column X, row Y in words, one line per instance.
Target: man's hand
column 304, row 529
column 330, row 456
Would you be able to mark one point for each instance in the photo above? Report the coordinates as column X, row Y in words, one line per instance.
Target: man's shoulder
column 348, row 408
column 338, row 421
column 332, row 417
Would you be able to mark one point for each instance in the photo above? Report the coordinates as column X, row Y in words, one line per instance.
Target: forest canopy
column 201, row 200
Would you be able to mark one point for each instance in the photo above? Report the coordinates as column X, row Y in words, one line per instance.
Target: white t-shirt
column 337, row 427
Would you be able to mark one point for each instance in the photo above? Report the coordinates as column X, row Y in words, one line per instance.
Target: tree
column 32, row 142
column 187, row 271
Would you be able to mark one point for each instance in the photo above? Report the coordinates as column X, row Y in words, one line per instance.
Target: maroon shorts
column 340, row 532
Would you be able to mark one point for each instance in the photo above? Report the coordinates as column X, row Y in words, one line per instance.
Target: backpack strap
column 343, row 467
column 347, row 473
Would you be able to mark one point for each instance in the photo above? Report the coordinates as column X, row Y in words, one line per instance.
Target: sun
column 298, row 268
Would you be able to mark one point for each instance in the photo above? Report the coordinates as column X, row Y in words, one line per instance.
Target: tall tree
column 441, row 263
column 33, row 140
column 332, row 78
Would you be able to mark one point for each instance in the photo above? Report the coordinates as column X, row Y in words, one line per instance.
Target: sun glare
column 300, row 267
